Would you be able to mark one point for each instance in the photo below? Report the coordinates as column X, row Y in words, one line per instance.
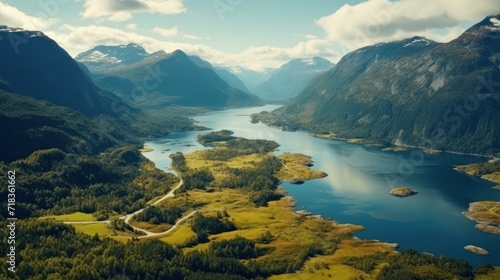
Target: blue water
column 360, row 177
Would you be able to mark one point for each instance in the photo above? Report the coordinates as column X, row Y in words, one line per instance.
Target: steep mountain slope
column 291, row 78
column 413, row 92
column 168, row 79
column 34, row 65
column 224, row 74
column 48, row 101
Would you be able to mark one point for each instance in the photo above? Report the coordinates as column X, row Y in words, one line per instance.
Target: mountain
column 105, row 56
column 47, row 100
column 34, row 65
column 159, row 80
column 251, row 78
column 412, row 92
column 224, row 74
column 291, row 78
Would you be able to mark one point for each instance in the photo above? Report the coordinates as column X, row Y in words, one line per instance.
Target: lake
column 359, row 180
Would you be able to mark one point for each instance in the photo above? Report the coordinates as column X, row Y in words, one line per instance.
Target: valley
column 278, row 230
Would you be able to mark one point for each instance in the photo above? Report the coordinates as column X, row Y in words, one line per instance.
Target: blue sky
column 249, row 33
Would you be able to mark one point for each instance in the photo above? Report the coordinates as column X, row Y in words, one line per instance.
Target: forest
column 50, row 250
column 119, row 180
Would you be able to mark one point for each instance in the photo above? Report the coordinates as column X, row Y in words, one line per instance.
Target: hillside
column 411, row 92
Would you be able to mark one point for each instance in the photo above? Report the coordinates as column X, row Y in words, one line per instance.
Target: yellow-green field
column 470, row 169
column 493, row 177
column 331, row 267
column 294, row 234
column 291, row 231
column 295, row 167
column 181, row 234
column 493, row 275
column 146, row 150
column 149, row 227
column 74, row 217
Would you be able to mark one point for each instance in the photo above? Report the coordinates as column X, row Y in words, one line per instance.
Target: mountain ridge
column 173, row 79
column 387, row 94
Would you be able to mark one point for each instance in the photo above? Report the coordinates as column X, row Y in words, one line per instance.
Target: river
column 359, row 180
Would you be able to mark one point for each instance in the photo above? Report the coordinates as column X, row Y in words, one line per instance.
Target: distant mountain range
column 223, row 73
column 412, row 92
column 291, row 78
column 173, row 79
column 250, row 78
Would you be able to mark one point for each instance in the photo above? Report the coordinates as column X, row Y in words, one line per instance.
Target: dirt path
column 149, row 234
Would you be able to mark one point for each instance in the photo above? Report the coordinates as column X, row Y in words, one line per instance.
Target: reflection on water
column 360, row 178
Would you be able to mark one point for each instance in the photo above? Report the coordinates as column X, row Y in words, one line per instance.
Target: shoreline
column 393, row 147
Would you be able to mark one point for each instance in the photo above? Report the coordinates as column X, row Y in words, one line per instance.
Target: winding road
column 149, row 234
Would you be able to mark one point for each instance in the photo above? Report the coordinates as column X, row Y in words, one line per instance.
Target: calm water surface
column 360, row 177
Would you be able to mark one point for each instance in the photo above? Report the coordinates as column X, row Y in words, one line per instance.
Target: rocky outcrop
column 488, row 228
column 476, row 250
column 403, row 192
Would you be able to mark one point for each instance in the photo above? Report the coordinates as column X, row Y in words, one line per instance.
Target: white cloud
column 191, row 37
column 76, row 39
column 13, row 17
column 376, row 21
column 122, row 10
column 132, row 26
column 170, row 32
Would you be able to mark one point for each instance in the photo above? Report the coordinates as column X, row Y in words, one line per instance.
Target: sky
column 254, row 34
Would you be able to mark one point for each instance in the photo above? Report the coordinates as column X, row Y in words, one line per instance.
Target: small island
column 403, row 192
column 476, row 250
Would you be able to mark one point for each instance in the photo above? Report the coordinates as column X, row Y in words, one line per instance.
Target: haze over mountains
column 413, row 92
column 291, row 78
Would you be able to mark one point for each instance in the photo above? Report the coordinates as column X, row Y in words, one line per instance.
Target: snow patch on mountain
column 418, row 42
column 496, row 24
column 97, row 56
column 26, row 34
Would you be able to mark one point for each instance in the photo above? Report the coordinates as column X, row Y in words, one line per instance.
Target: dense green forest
column 411, row 265
column 119, row 180
column 157, row 215
column 229, row 146
column 50, row 250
